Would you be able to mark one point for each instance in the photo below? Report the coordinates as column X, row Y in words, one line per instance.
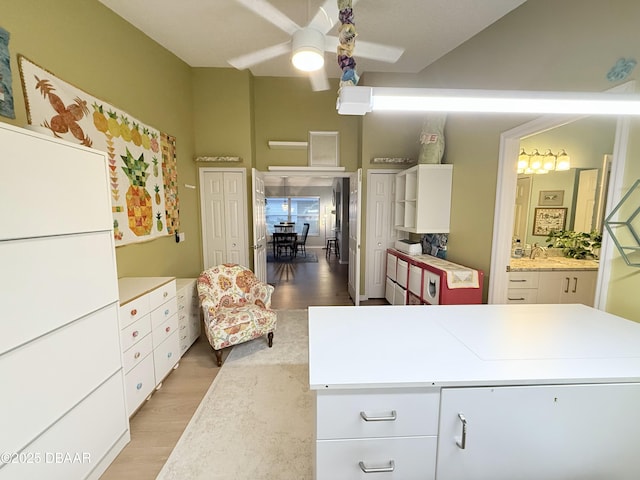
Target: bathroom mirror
column 581, row 189
column 324, row 149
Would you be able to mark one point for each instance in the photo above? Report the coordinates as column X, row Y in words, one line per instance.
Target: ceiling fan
column 311, row 39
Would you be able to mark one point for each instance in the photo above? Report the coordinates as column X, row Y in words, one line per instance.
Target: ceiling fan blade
column 319, row 80
column 326, row 16
column 271, row 14
column 364, row 49
column 259, row 56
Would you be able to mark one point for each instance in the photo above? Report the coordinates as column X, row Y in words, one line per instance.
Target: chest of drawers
column 148, row 333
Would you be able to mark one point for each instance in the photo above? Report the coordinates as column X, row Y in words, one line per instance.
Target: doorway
column 506, row 193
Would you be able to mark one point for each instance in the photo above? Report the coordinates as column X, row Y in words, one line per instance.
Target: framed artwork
column 551, row 198
column 547, row 219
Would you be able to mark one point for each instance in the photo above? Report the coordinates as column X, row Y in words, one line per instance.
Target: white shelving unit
column 423, row 198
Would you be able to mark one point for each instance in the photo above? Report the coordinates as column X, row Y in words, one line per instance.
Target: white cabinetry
column 523, row 287
column 553, row 432
column 188, row 312
column 149, row 334
column 423, row 199
column 571, row 286
column 376, row 431
column 60, row 363
column 566, row 286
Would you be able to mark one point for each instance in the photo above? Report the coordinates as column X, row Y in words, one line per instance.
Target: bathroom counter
column 551, row 263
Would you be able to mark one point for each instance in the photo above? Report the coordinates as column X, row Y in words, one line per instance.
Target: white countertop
column 469, row 345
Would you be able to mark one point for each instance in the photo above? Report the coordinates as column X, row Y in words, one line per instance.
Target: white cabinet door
column 540, row 432
column 567, row 287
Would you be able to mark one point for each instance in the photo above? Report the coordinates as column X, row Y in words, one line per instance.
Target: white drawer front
column 71, row 361
column 61, row 210
column 103, row 412
column 340, row 415
column 399, row 295
column 134, row 355
column 139, row 383
column 415, row 279
column 161, row 294
column 166, row 355
column 389, row 290
column 79, row 281
column 392, row 262
column 402, row 273
column 413, row 458
column 522, row 295
column 164, row 312
column 162, row 332
column 132, row 334
column 523, row 279
column 134, row 310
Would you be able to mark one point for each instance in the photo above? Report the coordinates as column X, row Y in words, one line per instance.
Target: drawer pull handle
column 387, row 418
column 575, row 285
column 165, row 294
column 390, row 468
column 135, row 334
column 134, row 312
column 517, row 281
column 516, row 299
column 136, row 356
column 169, row 355
column 168, row 329
column 462, row 444
column 139, row 386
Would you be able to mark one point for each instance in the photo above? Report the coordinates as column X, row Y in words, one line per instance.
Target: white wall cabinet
column 423, row 199
column 60, row 362
column 189, row 322
column 149, row 334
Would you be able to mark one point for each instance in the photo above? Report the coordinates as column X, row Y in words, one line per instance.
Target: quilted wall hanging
column 142, row 160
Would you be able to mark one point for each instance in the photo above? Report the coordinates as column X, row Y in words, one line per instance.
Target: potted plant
column 580, row 245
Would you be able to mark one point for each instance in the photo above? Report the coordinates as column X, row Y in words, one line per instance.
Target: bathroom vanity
column 474, row 392
column 552, row 280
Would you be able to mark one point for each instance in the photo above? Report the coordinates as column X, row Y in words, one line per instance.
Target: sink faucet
column 537, row 250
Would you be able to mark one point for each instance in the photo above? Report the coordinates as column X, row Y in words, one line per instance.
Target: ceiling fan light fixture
column 308, row 50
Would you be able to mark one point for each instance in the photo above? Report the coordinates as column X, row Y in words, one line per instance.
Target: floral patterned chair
column 236, row 307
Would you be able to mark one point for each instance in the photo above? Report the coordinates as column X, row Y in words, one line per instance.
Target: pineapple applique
column 139, row 202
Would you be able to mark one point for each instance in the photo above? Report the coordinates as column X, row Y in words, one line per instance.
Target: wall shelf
column 286, row 145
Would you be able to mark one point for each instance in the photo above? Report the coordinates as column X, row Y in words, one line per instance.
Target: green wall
column 87, row 45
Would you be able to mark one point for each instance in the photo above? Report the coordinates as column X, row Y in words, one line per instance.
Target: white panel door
column 259, row 226
column 235, row 196
column 355, row 219
column 521, row 213
column 586, row 201
column 224, row 216
column 381, row 233
column 550, row 432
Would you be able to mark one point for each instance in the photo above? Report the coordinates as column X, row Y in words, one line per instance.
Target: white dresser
column 474, row 392
column 149, row 334
column 188, row 312
column 63, row 402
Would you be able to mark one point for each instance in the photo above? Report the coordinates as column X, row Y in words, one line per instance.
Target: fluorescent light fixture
column 308, row 50
column 360, row 100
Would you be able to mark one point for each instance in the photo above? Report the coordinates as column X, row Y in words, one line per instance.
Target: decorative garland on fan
column 347, row 42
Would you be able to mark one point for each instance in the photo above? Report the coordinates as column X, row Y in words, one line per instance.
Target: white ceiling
column 206, row 33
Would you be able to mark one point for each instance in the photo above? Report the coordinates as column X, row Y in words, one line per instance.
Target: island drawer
column 523, row 279
column 377, row 413
column 403, row 458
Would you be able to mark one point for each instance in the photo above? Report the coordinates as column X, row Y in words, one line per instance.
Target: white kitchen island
column 466, row 392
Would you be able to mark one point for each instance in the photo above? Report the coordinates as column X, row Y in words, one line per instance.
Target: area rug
column 311, row 257
column 256, row 420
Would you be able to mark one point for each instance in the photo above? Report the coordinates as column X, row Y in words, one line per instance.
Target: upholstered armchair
column 236, row 307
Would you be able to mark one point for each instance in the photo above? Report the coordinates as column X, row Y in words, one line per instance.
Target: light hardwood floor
column 157, row 426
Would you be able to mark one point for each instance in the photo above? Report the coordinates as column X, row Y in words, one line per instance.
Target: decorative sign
column 142, row 161
column 6, row 93
column 549, row 219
